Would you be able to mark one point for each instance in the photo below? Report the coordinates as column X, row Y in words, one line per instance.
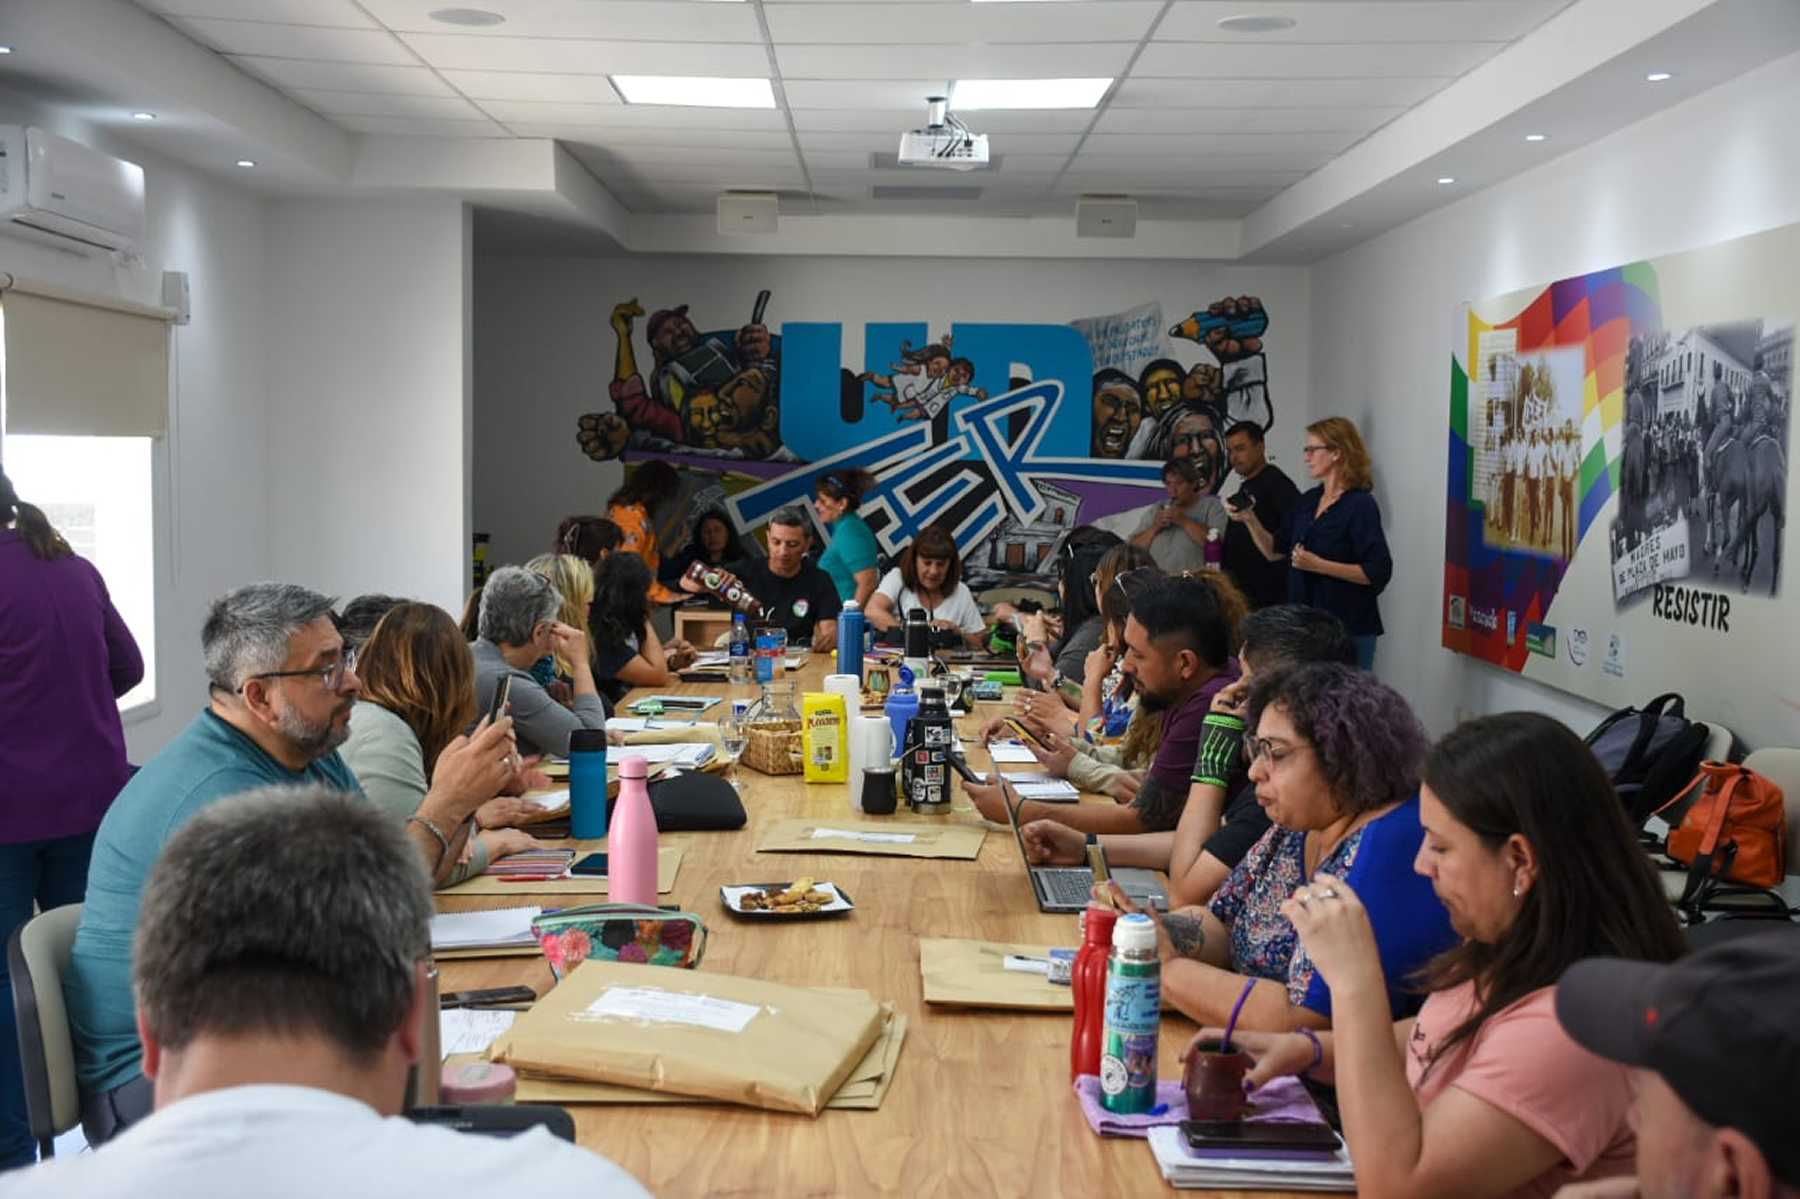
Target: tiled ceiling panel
column 1200, row 120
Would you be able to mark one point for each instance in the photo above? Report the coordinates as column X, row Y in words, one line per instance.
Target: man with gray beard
column 282, row 687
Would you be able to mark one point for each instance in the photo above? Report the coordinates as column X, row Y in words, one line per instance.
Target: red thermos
column 1088, row 981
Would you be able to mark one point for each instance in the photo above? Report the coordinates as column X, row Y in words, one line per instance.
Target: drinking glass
column 734, row 731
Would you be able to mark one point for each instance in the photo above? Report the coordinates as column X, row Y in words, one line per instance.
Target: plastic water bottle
column 850, row 640
column 740, row 669
column 902, row 704
column 631, row 849
column 1088, row 983
column 587, row 784
column 1133, row 1015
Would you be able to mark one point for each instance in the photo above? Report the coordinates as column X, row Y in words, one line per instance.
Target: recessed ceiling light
column 143, row 116
column 246, row 162
column 466, row 16
column 5, row 49
column 1535, row 137
column 1446, row 178
column 1658, row 76
column 695, row 91
column 1256, row 24
column 971, row 94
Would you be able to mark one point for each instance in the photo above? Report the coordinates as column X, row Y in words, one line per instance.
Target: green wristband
column 1220, row 747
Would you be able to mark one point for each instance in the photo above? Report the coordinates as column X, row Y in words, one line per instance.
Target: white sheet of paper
column 548, row 800
column 473, row 930
column 680, row 753
column 852, row 835
column 1010, row 753
column 671, row 1007
column 469, row 1030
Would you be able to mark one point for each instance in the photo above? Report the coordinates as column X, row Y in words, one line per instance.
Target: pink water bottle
column 631, row 847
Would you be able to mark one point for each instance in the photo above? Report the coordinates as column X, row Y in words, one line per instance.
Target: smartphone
column 1259, row 1134
column 1240, row 501
column 1025, row 734
column 594, row 863
column 502, row 693
column 959, row 764
column 487, row 998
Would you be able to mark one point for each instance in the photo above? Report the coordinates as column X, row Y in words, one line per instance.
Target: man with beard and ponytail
column 282, row 687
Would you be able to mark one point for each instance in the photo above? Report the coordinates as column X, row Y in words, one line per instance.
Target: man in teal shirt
column 282, row 689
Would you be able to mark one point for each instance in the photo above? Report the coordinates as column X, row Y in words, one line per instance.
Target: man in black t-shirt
column 1217, row 826
column 798, row 595
column 1273, row 494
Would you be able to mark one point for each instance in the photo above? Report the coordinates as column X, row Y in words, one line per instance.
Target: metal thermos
column 427, row 1074
column 925, row 765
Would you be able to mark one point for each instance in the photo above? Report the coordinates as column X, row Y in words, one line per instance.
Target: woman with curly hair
column 1336, row 760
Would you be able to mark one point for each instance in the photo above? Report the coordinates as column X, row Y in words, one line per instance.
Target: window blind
column 83, row 366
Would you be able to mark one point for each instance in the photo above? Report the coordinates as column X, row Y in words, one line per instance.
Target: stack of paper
column 1010, row 753
column 494, row 928
column 688, row 755
column 533, row 863
column 1182, row 1167
column 471, row 1030
column 1043, row 787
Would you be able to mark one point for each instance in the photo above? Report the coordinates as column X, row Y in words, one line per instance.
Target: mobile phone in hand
column 487, row 998
column 502, row 693
column 1240, row 501
column 960, row 764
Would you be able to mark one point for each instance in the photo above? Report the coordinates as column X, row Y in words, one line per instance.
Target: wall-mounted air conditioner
column 56, row 190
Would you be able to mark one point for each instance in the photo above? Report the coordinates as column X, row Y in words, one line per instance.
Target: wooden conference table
column 980, row 1103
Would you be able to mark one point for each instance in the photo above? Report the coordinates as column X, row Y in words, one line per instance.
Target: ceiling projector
column 945, row 142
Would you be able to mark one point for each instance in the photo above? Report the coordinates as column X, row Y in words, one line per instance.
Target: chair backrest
column 1720, row 741
column 1782, row 767
column 38, row 957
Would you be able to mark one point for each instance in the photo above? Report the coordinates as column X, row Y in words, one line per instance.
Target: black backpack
column 1650, row 753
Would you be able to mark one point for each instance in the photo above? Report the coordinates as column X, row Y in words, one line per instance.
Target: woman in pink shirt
column 1483, row 1094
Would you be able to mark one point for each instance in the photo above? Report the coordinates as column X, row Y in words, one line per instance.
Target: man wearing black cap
column 1716, row 1049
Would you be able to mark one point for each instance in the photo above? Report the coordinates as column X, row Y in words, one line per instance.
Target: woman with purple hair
column 1335, row 758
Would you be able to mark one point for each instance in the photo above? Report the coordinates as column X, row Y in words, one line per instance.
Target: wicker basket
column 775, row 747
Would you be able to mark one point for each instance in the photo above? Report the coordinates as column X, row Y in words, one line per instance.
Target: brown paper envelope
column 757, row 1043
column 863, row 1090
column 668, row 864
column 970, row 974
column 928, row 840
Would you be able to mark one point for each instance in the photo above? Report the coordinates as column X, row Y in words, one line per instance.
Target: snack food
column 800, row 896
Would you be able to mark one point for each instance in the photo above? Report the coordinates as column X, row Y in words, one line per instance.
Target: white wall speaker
column 1105, row 216
column 748, row 212
column 175, row 295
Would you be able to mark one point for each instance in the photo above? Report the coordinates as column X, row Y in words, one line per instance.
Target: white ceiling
column 1203, row 123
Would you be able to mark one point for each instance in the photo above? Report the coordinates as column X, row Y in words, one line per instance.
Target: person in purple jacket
column 65, row 658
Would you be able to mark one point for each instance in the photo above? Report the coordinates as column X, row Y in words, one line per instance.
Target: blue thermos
column 587, row 784
column 850, row 639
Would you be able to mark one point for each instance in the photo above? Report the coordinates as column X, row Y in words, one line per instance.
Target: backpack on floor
column 1651, row 754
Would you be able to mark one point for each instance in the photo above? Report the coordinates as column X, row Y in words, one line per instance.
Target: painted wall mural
column 1008, row 434
column 1618, row 483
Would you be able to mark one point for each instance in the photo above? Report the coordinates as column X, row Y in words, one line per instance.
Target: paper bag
column 668, row 865
column 863, row 1090
column 901, row 839
column 973, row 974
column 717, row 1036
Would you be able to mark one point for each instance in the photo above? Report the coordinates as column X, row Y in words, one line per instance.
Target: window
column 97, row 492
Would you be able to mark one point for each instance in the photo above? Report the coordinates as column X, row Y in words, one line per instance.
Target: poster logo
column 1541, row 639
column 1578, row 646
column 1615, row 656
column 1459, row 612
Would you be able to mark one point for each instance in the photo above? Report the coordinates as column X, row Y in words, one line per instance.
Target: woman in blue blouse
column 1335, row 759
column 852, row 557
column 1337, row 553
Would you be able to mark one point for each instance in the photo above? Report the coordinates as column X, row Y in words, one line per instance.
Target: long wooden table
column 980, row 1103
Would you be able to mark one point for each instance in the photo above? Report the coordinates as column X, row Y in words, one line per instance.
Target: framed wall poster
column 1618, row 483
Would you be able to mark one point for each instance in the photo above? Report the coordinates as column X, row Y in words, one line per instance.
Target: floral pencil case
column 619, row 932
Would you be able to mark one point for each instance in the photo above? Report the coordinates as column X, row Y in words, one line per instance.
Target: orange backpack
column 1736, row 831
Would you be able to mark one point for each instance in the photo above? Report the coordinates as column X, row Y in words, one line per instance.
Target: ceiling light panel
column 971, row 95
column 955, row 61
column 298, row 41
column 695, row 91
column 575, row 56
column 999, row 25
column 340, row 14
column 344, row 77
column 1264, row 60
column 1377, row 21
column 614, row 20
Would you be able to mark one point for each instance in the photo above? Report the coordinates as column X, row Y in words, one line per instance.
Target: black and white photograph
column 1528, row 445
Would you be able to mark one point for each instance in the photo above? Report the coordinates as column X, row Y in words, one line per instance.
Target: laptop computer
column 1070, row 888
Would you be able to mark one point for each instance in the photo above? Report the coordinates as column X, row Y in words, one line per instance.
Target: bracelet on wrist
column 1318, row 1050
column 442, row 840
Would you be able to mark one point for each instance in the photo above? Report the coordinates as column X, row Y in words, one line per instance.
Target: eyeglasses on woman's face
column 1275, row 750
column 1309, row 450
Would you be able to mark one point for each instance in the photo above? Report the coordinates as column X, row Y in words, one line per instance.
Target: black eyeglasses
column 332, row 676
